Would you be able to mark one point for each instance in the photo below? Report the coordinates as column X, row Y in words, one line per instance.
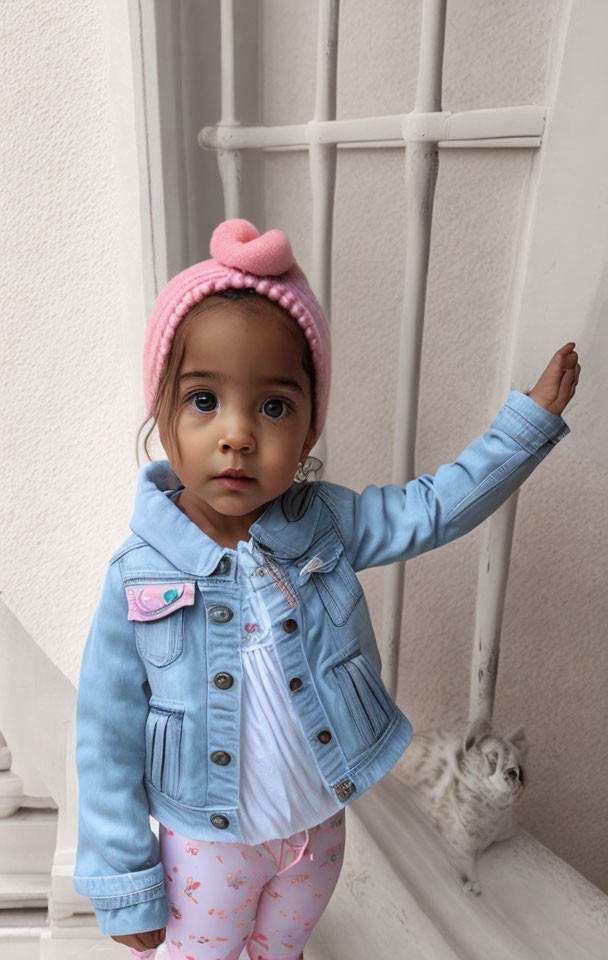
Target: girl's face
column 232, row 411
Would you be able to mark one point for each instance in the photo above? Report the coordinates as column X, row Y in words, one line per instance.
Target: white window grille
column 423, row 132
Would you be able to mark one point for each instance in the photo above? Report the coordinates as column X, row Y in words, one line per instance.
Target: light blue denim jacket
column 159, row 694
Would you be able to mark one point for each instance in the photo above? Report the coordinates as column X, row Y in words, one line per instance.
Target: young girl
column 230, row 684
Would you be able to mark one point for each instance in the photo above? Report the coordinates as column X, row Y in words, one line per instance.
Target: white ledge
column 398, row 897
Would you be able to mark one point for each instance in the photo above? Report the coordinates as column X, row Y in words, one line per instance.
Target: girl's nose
column 234, row 444
column 237, row 438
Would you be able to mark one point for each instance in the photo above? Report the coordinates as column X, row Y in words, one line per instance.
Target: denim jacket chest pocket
column 327, row 567
column 157, row 610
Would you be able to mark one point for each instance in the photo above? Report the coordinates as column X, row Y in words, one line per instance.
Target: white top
column 272, row 744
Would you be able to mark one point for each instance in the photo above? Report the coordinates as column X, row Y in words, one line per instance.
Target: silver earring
column 309, row 470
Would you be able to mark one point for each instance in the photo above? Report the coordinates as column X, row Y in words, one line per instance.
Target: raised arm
column 384, row 524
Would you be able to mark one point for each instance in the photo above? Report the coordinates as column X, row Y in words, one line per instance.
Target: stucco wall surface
column 71, row 299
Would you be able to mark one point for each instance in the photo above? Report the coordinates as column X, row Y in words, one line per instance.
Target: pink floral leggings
column 225, row 895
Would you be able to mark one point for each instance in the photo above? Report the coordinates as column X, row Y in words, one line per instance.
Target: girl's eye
column 275, row 402
column 203, row 401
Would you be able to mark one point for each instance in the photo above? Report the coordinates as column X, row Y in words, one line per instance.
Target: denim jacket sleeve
column 391, row 523
column 118, row 863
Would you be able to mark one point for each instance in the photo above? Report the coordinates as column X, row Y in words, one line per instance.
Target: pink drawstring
column 302, row 850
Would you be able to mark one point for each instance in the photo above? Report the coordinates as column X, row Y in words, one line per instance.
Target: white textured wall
column 73, row 308
column 70, row 301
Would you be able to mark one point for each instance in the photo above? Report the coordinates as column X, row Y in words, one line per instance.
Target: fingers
column 566, row 357
column 569, row 381
column 566, row 361
column 140, row 944
column 577, row 371
column 151, row 939
column 557, row 384
column 564, row 390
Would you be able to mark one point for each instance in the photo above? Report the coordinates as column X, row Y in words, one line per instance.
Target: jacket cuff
column 537, row 430
column 123, row 889
column 139, row 918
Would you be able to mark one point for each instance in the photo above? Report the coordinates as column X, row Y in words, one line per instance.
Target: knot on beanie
column 237, row 243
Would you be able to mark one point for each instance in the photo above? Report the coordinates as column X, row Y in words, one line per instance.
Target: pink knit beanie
column 240, row 257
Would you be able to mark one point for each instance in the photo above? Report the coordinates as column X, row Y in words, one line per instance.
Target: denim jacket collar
column 285, row 528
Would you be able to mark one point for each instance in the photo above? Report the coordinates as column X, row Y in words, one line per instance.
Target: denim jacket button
column 223, row 566
column 290, row 625
column 221, row 757
column 324, row 736
column 295, row 683
column 344, row 789
column 223, row 680
column 221, row 614
column 219, row 821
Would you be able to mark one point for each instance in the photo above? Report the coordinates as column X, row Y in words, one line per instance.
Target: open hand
column 555, row 388
column 143, row 941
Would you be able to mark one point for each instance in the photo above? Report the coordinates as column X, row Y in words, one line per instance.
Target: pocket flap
column 150, row 601
column 321, row 560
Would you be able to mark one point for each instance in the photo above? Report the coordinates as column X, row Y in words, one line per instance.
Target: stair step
column 20, row 933
column 21, row 944
column 28, row 918
column 19, row 890
column 11, row 792
column 27, row 841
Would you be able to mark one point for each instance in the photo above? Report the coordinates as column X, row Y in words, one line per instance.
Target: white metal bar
column 512, row 142
column 227, row 64
column 229, row 160
column 495, row 554
column 147, row 114
column 475, row 124
column 430, row 63
column 509, row 142
column 327, row 61
column 497, row 538
column 322, row 166
column 421, row 162
column 498, row 123
column 492, row 578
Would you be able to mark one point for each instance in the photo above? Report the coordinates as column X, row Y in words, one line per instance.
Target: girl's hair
column 166, row 402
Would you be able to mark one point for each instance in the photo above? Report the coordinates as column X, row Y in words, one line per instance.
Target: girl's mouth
column 235, row 483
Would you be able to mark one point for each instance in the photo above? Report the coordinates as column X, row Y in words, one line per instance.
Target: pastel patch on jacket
column 154, row 600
